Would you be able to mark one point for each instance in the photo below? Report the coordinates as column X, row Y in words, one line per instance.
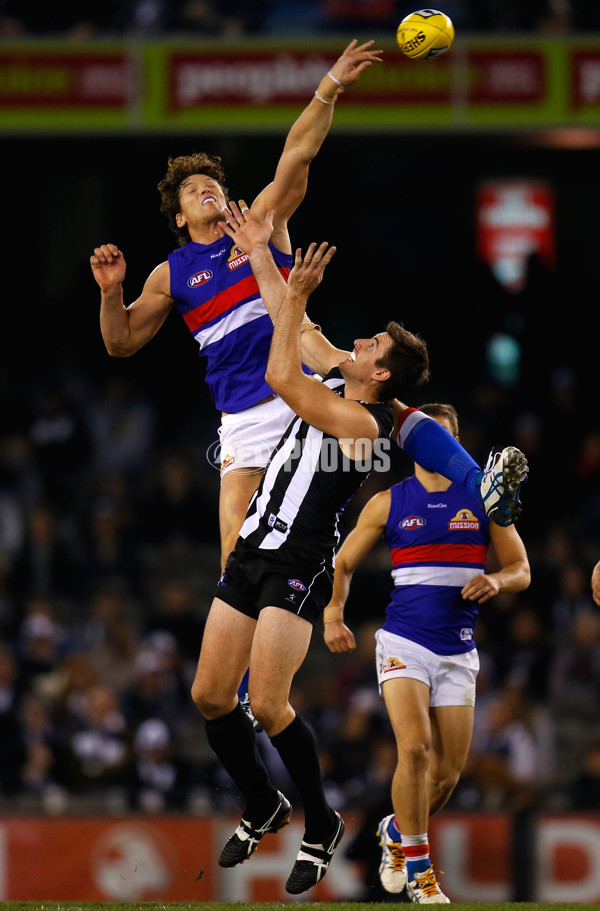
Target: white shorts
column 450, row 678
column 248, row 437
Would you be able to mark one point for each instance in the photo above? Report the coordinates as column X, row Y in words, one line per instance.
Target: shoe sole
column 285, row 821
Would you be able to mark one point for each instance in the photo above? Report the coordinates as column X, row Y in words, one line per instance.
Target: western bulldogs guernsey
column 293, row 516
column 438, row 541
column 217, row 295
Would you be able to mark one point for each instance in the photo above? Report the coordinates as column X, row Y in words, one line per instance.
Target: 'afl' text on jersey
column 438, row 541
column 217, row 295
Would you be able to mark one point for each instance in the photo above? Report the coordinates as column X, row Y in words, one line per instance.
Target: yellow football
column 426, row 34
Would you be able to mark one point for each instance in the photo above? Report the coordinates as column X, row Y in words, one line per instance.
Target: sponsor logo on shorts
column 437, row 506
column 297, row 585
column 411, row 522
column 236, row 258
column 464, row 520
column 392, row 664
column 466, row 634
column 199, row 278
column 226, row 461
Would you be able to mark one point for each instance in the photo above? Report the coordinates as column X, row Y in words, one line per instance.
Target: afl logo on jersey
column 412, row 522
column 464, row 520
column 200, row 278
column 297, row 585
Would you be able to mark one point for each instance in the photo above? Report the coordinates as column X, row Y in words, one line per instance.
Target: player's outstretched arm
column 369, row 528
column 596, row 583
column 253, row 237
column 314, row 402
column 306, row 136
column 126, row 329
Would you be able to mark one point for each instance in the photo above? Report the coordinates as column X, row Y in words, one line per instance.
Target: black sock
column 298, row 750
column 233, row 739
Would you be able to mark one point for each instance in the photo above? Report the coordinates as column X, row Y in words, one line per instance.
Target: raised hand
column 308, row 270
column 355, row 59
column 246, row 230
column 108, row 266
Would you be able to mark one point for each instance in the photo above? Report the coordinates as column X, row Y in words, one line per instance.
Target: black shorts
column 251, row 582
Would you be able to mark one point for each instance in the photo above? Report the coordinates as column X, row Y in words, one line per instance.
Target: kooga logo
column 200, row 278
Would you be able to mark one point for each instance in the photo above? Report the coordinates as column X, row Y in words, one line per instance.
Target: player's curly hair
column 177, row 171
column 407, row 359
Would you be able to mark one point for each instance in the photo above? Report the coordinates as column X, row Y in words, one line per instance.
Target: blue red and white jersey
column 438, row 541
column 217, row 295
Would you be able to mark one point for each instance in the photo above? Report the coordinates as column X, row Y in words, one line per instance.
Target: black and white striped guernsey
column 294, row 514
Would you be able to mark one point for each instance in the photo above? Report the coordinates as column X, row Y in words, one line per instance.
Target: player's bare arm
column 368, row 530
column 514, row 574
column 127, row 329
column 305, row 138
column 595, row 582
column 253, row 237
column 315, row 403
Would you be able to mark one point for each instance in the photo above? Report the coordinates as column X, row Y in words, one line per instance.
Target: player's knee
column 414, row 751
column 206, row 700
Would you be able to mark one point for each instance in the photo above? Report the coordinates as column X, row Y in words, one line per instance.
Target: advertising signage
column 258, row 86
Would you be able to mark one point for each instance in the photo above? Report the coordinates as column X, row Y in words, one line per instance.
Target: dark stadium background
column 400, row 209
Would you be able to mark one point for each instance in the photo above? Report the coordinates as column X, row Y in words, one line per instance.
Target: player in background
column 427, row 661
column 596, row 583
column 210, row 282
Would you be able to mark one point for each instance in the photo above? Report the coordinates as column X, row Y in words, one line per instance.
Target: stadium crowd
column 109, row 555
column 210, row 19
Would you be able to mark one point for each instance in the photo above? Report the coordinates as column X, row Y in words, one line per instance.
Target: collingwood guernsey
column 293, row 516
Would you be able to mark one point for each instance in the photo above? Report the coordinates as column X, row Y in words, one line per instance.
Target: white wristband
column 324, row 100
column 337, row 81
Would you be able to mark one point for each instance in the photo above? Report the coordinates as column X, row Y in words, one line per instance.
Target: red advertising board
column 585, row 79
column 514, row 219
column 174, row 859
column 42, row 79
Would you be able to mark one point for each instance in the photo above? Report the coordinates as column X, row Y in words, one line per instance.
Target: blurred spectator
column 159, row 780
column 528, row 658
column 174, row 512
column 60, row 446
column 115, row 654
column 571, row 599
column 64, row 17
column 97, row 754
column 584, row 792
column 39, row 761
column 507, row 769
column 175, row 610
column 12, row 754
column 41, row 645
column 46, row 564
column 154, row 691
column 122, row 427
column 575, row 672
column 109, row 554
